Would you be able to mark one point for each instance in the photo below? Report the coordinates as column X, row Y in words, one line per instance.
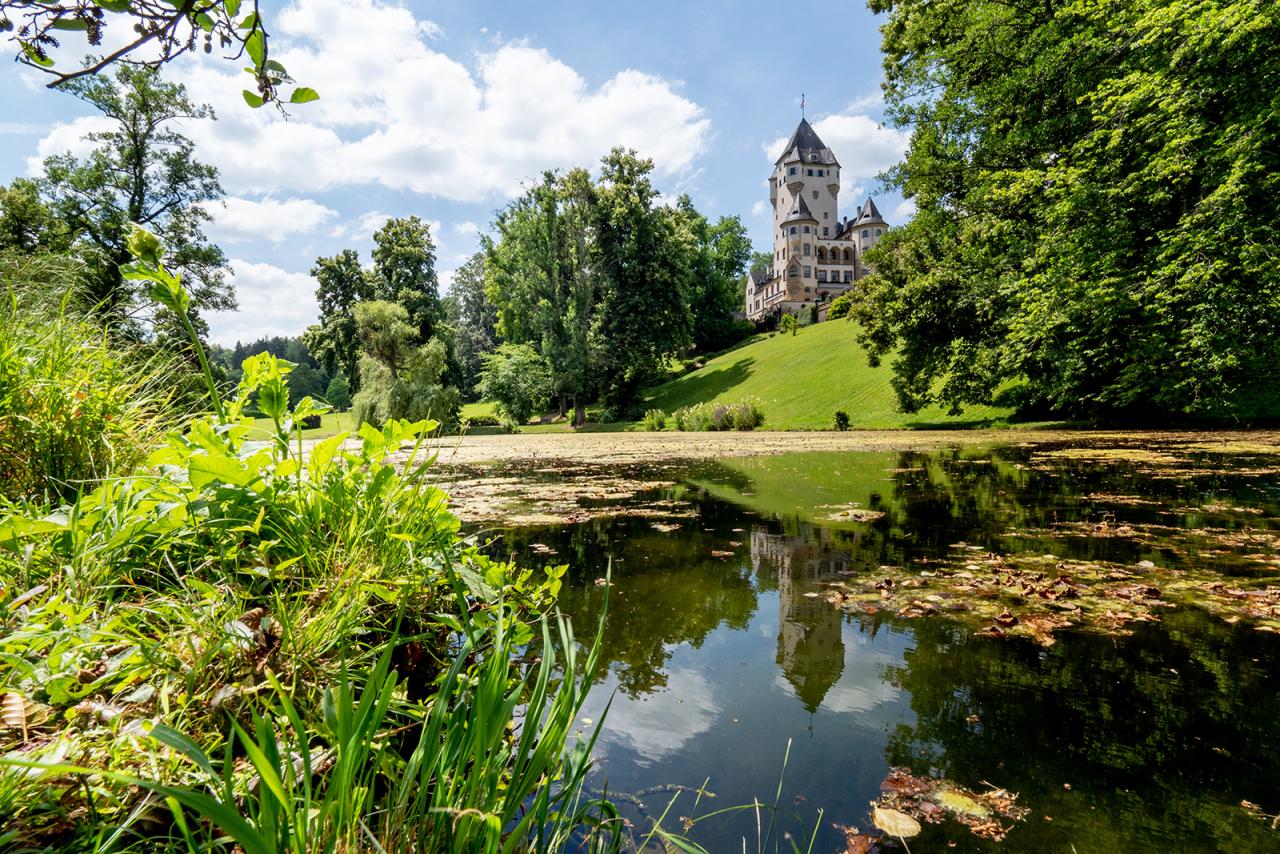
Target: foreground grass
column 802, row 379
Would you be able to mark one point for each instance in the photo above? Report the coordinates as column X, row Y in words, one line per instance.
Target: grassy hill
column 802, row 380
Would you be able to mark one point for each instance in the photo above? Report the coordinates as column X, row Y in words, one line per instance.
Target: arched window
column 822, row 254
column 866, row 232
column 793, row 230
column 847, row 256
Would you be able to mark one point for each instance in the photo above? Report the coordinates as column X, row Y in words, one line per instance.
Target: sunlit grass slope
column 802, row 380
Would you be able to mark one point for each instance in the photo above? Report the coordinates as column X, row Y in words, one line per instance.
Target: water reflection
column 719, row 649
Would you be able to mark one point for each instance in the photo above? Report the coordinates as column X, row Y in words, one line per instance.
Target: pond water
column 727, row 643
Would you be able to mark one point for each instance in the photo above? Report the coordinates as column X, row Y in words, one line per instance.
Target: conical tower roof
column 869, row 213
column 800, row 211
column 805, row 145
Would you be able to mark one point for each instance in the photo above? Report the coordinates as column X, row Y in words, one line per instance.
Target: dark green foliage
column 473, row 320
column 143, row 171
column 27, row 225
column 404, row 271
column 788, row 323
column 842, row 420
column 340, row 284
column 645, row 260
column 338, row 394
column 1098, row 187
column 516, row 378
column 721, row 253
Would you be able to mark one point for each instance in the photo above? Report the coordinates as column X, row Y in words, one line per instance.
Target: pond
column 1078, row 638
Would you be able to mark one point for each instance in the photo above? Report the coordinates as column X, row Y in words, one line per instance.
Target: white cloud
column 905, row 210
column 236, row 220
column 656, row 724
column 759, row 209
column 864, row 147
column 466, row 229
column 272, row 302
column 67, row 137
column 395, row 112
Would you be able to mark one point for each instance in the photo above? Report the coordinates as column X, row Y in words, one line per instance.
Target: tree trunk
column 563, row 403
column 579, row 413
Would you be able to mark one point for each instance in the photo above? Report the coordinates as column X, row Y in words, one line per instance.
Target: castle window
column 791, row 171
column 793, row 229
column 806, row 249
column 822, row 254
column 815, row 194
column 822, row 274
column 807, row 272
column 847, row 258
column 806, row 229
column 809, row 172
column 825, row 230
column 879, row 232
column 824, row 216
column 866, row 232
column 848, row 275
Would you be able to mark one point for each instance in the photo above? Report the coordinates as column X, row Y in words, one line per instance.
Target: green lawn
column 802, row 379
column 331, row 423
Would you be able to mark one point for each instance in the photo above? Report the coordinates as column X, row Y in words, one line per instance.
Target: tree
column 165, row 29
column 543, row 279
column 516, row 378
column 340, row 285
column 1096, row 187
column 399, row 376
column 788, row 324
column 404, row 271
column 338, row 394
column 142, row 171
column 473, row 318
column 715, row 288
column 644, row 259
column 27, row 225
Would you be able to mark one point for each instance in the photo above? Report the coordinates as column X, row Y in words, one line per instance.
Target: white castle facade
column 816, row 255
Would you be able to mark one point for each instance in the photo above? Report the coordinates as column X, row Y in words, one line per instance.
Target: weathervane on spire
column 802, row 105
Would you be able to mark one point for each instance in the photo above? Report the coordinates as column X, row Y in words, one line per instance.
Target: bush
column 224, row 602
column 655, row 420
column 841, row 306
column 842, row 420
column 703, row 417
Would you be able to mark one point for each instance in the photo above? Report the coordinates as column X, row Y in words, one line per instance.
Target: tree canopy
column 1096, row 185
column 141, row 170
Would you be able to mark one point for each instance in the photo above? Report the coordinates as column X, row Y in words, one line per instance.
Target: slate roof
column 868, row 213
column 799, row 211
column 805, row 145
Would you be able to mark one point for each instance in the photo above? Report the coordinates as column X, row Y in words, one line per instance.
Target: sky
column 445, row 109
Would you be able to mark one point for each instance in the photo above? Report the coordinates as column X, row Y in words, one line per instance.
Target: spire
column 805, row 145
column 869, row 213
column 799, row 211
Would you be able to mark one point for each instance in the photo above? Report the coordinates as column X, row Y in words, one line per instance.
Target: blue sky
column 444, row 109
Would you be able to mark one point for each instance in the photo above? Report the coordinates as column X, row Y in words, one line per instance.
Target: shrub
column 417, row 393
column 842, row 420
column 841, row 306
column 655, row 420
column 788, row 323
column 701, row 417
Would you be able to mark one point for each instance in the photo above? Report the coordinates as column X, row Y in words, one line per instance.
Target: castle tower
column 816, row 256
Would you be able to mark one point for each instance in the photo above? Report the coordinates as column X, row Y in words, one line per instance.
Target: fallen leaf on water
column 895, row 823
column 719, row 553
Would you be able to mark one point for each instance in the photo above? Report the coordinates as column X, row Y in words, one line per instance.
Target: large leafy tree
column 722, row 252
column 542, row 276
column 473, row 320
column 1098, row 207
column 404, row 271
column 644, row 259
column 340, row 285
column 141, row 170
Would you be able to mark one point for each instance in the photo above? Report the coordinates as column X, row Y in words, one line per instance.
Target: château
column 816, row 255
